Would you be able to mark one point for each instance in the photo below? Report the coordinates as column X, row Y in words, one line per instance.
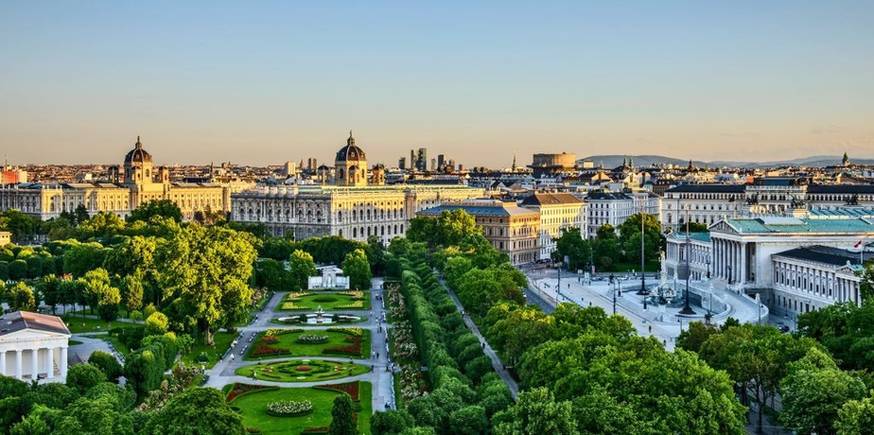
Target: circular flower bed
column 289, row 408
column 303, row 368
column 312, row 339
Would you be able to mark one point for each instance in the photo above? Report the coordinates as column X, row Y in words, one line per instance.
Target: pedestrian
column 377, row 355
column 650, row 329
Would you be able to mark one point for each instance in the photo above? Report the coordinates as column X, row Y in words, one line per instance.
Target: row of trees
column 584, row 371
column 465, row 391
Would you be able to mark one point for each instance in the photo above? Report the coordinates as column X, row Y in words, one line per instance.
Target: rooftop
column 551, row 199
column 826, row 255
column 707, row 188
column 480, row 210
column 19, row 320
column 770, row 225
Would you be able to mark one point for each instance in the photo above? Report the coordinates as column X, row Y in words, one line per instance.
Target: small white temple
column 331, row 278
column 33, row 346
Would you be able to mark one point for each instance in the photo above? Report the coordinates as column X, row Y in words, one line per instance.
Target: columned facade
column 46, row 361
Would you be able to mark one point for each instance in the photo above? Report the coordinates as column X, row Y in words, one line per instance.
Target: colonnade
column 41, row 362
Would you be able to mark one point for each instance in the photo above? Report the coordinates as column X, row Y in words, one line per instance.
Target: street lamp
column 687, row 310
column 643, row 291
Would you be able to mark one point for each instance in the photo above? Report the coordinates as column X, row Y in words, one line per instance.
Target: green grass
column 361, row 318
column 288, row 343
column 222, row 341
column 328, row 300
column 74, row 342
column 79, row 324
column 252, row 407
column 312, row 370
column 119, row 346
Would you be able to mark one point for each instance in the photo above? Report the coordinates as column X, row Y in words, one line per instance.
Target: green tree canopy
column 357, row 268
column 301, row 266
column 161, row 207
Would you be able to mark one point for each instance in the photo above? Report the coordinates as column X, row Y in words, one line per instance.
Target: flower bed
column 353, row 348
column 270, row 339
column 350, row 388
column 241, row 389
column 312, row 339
column 261, row 349
column 303, row 368
column 289, row 408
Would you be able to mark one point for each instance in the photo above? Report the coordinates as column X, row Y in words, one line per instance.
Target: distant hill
column 614, row 160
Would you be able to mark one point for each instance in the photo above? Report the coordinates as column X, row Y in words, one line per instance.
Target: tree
column 82, row 257
column 98, row 290
column 572, row 245
column 536, row 412
column 22, row 226
column 694, row 337
column 102, row 224
column 156, row 324
column 133, row 292
column 357, row 268
column 856, row 417
column 376, row 255
column 107, row 364
column 391, row 422
column 84, row 376
column 20, row 297
column 51, row 290
column 342, row 419
column 196, row 411
column 144, row 371
column 162, row 207
column 469, row 420
column 301, row 266
column 629, row 233
column 205, row 271
column 81, row 214
column 813, row 392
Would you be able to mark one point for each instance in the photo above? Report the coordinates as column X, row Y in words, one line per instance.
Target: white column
column 743, row 263
column 50, row 363
column 34, row 364
column 3, row 363
column 18, row 363
column 64, row 362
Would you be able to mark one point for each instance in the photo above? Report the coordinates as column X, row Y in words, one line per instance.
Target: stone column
column 34, row 364
column 64, row 362
column 3, row 363
column 50, row 363
column 18, row 363
column 743, row 263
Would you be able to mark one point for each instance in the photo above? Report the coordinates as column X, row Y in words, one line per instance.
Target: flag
column 859, row 243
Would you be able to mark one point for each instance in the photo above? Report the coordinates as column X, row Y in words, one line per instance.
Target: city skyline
column 479, row 83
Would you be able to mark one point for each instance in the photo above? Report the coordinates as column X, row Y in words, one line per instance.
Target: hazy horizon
column 263, row 83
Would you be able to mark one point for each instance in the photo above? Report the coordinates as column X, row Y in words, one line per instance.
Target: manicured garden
column 326, row 299
column 302, row 370
column 273, row 410
column 345, row 342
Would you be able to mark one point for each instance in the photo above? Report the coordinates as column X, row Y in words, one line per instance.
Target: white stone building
column 33, row 346
column 614, row 208
column 558, row 212
column 345, row 205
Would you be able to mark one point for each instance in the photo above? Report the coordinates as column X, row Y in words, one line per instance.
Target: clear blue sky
column 259, row 82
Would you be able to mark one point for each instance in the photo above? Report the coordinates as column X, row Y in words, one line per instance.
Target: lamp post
column 643, row 291
column 687, row 310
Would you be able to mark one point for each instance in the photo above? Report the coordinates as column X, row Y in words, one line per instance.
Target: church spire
column 351, row 140
column 138, row 144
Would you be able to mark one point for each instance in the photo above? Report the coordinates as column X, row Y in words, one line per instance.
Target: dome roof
column 138, row 154
column 350, row 152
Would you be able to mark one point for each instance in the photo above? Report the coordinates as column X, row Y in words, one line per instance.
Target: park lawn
column 252, row 407
column 78, row 325
column 326, row 299
column 116, row 343
column 302, row 370
column 222, row 341
column 288, row 345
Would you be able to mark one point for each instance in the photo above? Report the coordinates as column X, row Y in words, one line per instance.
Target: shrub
column 156, row 323
column 135, row 315
column 107, row 364
column 312, row 339
column 289, row 408
column 84, row 376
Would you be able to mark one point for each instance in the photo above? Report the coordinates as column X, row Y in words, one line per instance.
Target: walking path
column 224, row 372
column 487, row 349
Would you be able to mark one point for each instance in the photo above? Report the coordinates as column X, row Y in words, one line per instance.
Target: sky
column 266, row 82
